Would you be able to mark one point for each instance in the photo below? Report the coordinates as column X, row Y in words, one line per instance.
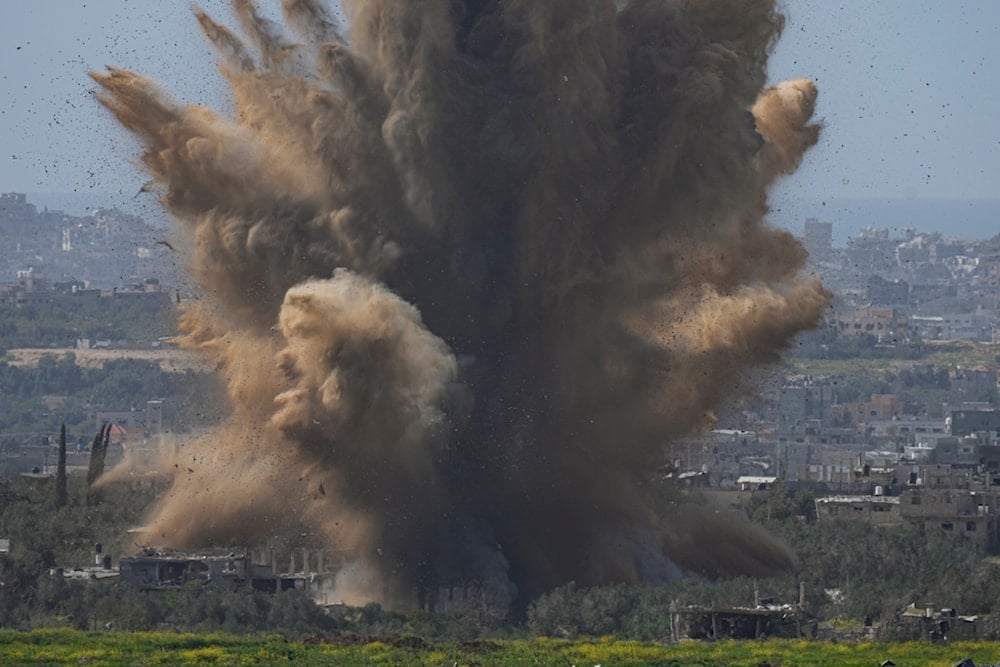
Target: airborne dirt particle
column 471, row 266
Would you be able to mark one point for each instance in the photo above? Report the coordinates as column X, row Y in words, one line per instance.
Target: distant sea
column 954, row 218
column 967, row 219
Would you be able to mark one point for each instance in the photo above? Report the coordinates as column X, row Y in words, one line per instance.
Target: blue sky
column 909, row 92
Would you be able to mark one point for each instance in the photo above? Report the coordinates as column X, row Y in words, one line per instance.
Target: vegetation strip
column 64, row 646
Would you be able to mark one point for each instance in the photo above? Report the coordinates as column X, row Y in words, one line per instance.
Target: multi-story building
column 952, row 510
column 882, row 292
column 818, row 239
column 967, row 422
column 800, row 404
column 885, row 324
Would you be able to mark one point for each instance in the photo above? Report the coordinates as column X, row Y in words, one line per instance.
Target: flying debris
column 148, row 186
column 470, row 266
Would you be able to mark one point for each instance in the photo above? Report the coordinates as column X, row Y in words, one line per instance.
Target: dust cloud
column 468, row 268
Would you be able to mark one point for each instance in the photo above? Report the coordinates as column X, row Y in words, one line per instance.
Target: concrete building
column 882, row 292
column 977, row 325
column 818, row 239
column 163, row 570
column 952, row 510
column 799, row 405
column 878, row 510
column 967, row 422
column 885, row 324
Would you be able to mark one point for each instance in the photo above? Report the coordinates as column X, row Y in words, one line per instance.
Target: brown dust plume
column 469, row 267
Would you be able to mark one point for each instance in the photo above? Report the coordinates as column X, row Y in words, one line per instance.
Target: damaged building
column 152, row 569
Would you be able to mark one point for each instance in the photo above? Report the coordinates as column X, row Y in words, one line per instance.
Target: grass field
column 966, row 354
column 66, row 647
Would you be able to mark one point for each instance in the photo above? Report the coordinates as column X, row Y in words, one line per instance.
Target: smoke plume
column 469, row 267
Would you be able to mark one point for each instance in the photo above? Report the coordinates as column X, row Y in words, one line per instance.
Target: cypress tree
column 62, row 496
column 98, row 452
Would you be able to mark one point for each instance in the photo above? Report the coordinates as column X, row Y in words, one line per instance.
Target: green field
column 967, row 354
column 66, row 647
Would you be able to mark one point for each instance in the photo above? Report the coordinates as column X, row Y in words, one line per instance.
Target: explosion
column 468, row 267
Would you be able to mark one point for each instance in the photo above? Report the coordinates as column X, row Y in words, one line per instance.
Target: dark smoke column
column 470, row 268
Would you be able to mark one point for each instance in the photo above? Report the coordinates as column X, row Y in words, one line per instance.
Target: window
column 947, row 526
column 970, row 526
column 915, row 500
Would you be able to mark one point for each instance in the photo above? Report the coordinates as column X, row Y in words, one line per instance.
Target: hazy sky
column 909, row 92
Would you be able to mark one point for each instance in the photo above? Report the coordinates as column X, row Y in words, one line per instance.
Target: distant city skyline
column 908, row 94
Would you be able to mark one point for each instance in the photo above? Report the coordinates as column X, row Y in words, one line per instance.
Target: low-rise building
column 162, row 570
column 755, row 482
column 952, row 510
column 878, row 510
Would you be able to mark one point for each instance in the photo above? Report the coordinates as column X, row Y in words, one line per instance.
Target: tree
column 61, row 495
column 98, row 452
